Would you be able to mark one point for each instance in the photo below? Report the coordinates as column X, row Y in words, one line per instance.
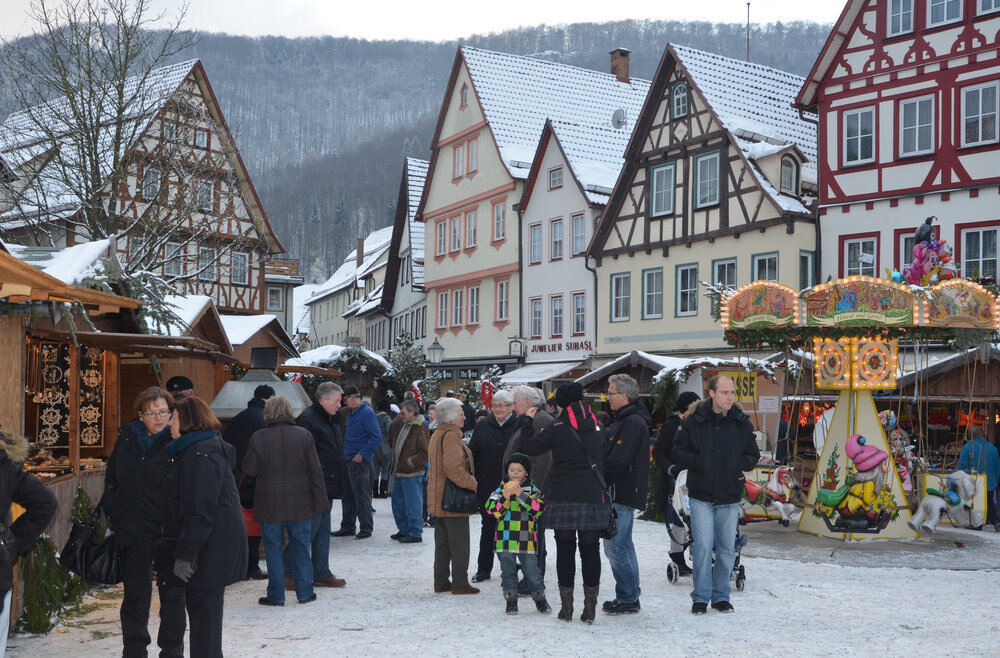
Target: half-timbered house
column 906, row 93
column 716, row 187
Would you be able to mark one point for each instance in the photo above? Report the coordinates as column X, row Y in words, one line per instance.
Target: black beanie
column 568, row 394
column 519, row 458
column 263, row 392
column 684, row 400
column 179, row 383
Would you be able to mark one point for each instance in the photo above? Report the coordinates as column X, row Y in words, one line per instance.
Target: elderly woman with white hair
column 449, row 459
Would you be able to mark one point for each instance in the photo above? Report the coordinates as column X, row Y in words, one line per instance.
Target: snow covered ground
column 795, row 603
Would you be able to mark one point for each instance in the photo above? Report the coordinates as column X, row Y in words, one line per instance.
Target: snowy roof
column 241, row 328
column 416, row 176
column 517, row 94
column 665, row 365
column 329, row 355
column 376, row 244
column 534, row 373
column 188, row 308
column 70, row 264
column 366, row 304
column 300, row 312
column 755, row 103
column 595, row 154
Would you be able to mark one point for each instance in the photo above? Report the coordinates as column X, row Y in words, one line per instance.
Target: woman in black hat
column 575, row 505
column 685, row 404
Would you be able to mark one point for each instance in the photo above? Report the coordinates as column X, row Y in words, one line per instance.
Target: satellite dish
column 619, row 118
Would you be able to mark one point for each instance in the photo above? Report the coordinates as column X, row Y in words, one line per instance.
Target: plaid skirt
column 570, row 515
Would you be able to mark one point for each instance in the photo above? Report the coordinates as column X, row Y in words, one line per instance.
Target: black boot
column 682, row 568
column 589, row 604
column 566, row 598
column 511, row 597
column 540, row 603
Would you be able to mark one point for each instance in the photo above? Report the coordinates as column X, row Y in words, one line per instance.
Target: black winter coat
column 488, row 443
column 570, row 476
column 716, row 450
column 203, row 522
column 626, row 464
column 133, row 487
column 242, row 426
column 470, row 418
column 663, row 456
column 328, row 435
column 26, row 490
column 540, row 464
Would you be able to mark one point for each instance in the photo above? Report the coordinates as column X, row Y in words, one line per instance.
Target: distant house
column 281, row 277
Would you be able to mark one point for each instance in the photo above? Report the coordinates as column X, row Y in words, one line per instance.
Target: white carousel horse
column 780, row 493
column 956, row 502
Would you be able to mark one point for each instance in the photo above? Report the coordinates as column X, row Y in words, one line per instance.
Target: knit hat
column 568, row 394
column 264, row 392
column 864, row 456
column 179, row 383
column 519, row 458
column 684, row 400
column 393, row 408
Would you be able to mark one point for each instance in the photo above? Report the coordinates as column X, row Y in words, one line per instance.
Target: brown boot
column 589, row 604
column 566, row 597
column 289, row 584
column 330, row 581
column 440, row 589
column 468, row 589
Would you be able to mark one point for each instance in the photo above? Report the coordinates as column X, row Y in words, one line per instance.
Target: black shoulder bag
column 96, row 561
column 612, row 528
column 456, row 499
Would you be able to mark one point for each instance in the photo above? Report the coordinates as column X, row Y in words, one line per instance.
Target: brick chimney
column 619, row 63
column 361, row 253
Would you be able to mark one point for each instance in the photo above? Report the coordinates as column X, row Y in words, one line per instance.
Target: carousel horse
column 956, row 502
column 780, row 493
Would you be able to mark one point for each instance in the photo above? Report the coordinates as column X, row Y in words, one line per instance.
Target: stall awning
column 21, row 282
column 539, row 372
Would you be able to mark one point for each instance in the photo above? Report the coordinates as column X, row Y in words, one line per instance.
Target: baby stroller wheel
column 673, row 573
column 741, row 579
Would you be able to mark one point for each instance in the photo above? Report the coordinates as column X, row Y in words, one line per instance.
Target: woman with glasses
column 133, row 502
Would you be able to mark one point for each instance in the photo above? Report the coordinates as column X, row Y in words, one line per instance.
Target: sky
column 442, row 20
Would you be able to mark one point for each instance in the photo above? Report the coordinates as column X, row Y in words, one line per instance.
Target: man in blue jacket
column 360, row 443
column 979, row 456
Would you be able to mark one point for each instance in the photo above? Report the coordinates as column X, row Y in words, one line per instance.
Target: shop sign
column 562, row 346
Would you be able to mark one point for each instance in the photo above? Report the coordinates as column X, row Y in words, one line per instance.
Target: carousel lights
column 761, row 283
column 966, row 283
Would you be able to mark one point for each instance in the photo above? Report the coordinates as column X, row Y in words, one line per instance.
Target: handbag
column 96, row 561
column 456, row 499
column 612, row 529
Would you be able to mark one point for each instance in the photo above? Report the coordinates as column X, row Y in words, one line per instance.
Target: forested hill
column 324, row 123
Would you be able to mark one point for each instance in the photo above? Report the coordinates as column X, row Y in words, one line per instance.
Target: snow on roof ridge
column 241, row 328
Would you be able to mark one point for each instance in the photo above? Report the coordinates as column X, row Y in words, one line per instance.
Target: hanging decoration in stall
column 91, row 396
column 54, row 396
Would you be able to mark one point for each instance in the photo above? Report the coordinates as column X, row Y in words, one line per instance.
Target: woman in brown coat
column 409, row 455
column 289, row 492
column 449, row 459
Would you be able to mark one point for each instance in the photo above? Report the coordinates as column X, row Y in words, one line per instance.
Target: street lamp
column 435, row 352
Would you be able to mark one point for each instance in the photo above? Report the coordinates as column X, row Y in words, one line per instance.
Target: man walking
column 716, row 445
column 626, row 470
column 361, row 440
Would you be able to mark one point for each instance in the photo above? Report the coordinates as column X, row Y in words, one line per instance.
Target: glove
column 183, row 570
column 7, row 551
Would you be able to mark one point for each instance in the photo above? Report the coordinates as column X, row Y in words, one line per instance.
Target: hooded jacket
column 133, row 486
column 488, row 443
column 409, row 448
column 716, row 450
column 626, row 464
column 570, row 477
column 516, row 518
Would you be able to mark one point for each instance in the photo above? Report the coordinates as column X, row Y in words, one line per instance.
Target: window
column 706, row 180
column 556, row 239
column 503, row 300
column 173, row 259
column 169, row 131
column 535, row 244
column 940, row 12
column 807, row 269
column 979, row 253
column 205, row 195
column 789, row 175
column 555, row 178
column 206, row 265
column 765, row 267
column 404, row 267
column 687, row 290
column 724, row 272
column 458, row 161
column 457, row 307
column 442, row 310
column 471, row 220
column 474, row 305
column 442, row 238
column 661, row 190
column 652, row 293
column 201, row 138
column 274, row 299
column 860, row 257
column 579, row 313
column 900, row 17
column 536, row 318
column 241, row 268
column 986, row 6
column 556, row 308
column 620, row 296
column 906, row 245
column 679, row 101
column 464, row 99
column 979, row 114
column 859, row 136
column 456, row 233
column 579, row 234
column 473, row 155
column 150, row 184
column 499, row 220
column 916, row 126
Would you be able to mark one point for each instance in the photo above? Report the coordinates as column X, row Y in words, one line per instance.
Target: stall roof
column 241, row 328
column 667, row 364
column 329, row 354
column 145, row 343
column 539, row 372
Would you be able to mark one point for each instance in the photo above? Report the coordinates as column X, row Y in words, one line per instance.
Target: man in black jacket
column 237, row 434
column 626, row 470
column 716, row 445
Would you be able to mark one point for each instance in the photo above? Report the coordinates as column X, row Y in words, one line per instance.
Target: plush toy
column 933, row 261
column 956, row 501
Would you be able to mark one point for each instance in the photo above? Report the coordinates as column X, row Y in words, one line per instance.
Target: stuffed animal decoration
column 956, row 501
column 923, row 233
column 933, row 261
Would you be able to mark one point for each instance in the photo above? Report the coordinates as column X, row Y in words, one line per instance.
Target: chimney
column 361, row 253
column 619, row 63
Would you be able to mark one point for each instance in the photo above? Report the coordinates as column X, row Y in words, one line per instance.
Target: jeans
column 138, row 585
column 204, row 608
column 361, row 475
column 319, row 547
column 5, row 622
column 620, row 552
column 508, row 571
column 299, row 533
column 713, row 527
column 407, row 506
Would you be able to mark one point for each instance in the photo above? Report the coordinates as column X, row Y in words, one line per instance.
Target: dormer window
column 679, row 101
column 464, row 96
column 789, row 175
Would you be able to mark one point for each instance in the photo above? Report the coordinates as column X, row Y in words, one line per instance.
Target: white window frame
column 503, row 301
column 965, row 250
column 463, row 98
column 210, row 273
column 441, row 229
column 245, row 257
column 169, row 131
column 457, row 307
column 152, row 180
column 555, row 178
column 556, row 316
column 917, row 101
column 756, row 261
column 861, row 269
column 621, row 296
column 458, row 161
column 726, row 262
column 534, row 244
column 471, row 227
column 652, row 293
column 201, row 138
column 946, row 4
column 535, row 317
column 280, row 306
column 556, row 239
column 579, row 313
column 442, row 309
column 995, row 86
column 499, row 221
column 473, row 150
column 667, row 171
column 455, row 243
column 699, row 184
column 675, row 111
column 205, row 195
column 987, row 7
column 686, row 296
column 857, row 112
column 173, row 259
column 579, row 222
column 793, row 166
column 899, row 12
column 810, row 257
column 473, row 305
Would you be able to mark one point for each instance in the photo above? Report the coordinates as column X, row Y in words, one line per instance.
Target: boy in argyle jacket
column 517, row 503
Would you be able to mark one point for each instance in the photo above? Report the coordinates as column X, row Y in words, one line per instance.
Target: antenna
column 748, row 30
column 619, row 118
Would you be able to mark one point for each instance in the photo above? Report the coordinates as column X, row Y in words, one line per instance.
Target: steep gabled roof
column 411, row 188
column 241, row 328
column 348, row 273
column 70, row 265
column 806, row 97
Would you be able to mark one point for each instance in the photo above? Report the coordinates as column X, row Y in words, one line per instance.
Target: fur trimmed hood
column 14, row 445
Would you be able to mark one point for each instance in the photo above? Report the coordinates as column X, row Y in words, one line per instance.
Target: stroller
column 678, row 513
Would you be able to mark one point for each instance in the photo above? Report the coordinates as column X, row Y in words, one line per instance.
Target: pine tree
column 407, row 361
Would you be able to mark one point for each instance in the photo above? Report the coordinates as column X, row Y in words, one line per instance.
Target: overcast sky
column 440, row 20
